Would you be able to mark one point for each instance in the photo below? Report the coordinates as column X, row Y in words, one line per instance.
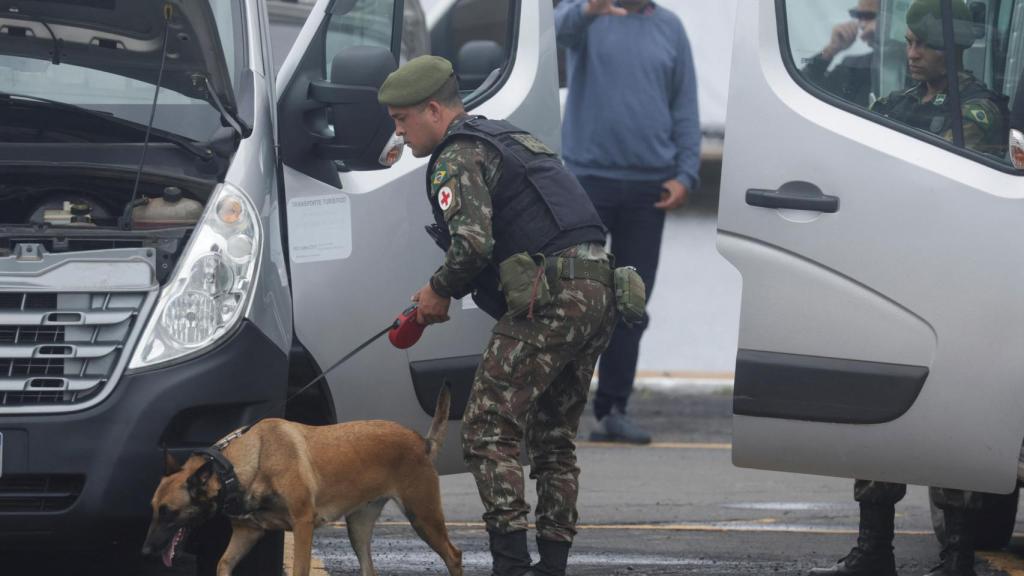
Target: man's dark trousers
column 627, row 210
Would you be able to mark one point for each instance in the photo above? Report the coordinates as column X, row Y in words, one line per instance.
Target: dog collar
column 230, row 499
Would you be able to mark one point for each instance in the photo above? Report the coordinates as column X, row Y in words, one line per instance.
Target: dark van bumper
column 111, row 454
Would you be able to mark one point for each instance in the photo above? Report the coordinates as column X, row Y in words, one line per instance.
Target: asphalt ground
column 675, row 507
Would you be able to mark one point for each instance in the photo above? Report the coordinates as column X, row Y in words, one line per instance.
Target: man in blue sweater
column 631, row 135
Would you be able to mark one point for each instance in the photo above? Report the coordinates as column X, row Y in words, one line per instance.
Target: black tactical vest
column 539, row 207
column 933, row 118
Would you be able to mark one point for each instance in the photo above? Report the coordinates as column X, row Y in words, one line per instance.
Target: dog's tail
column 439, row 427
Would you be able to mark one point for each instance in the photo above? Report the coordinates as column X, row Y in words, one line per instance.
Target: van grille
column 39, row 493
column 61, row 348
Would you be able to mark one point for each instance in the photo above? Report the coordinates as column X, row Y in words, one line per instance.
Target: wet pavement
column 676, row 507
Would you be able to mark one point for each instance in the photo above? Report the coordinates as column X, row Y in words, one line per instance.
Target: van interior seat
column 476, row 61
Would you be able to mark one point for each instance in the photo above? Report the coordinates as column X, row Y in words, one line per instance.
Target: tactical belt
column 579, row 269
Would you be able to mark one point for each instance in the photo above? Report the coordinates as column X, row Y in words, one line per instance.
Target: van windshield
column 128, row 98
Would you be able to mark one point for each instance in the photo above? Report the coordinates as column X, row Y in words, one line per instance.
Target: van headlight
column 211, row 286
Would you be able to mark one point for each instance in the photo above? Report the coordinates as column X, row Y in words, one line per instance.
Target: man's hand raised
column 843, row 36
column 603, row 8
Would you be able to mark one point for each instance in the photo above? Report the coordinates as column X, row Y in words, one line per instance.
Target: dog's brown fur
column 296, row 477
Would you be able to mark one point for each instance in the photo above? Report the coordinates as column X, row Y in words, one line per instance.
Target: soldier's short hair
column 448, row 94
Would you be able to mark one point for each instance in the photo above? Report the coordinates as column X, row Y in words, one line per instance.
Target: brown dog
column 296, row 477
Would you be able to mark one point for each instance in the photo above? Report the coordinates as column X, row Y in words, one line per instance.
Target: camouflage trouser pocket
column 630, row 294
column 524, row 283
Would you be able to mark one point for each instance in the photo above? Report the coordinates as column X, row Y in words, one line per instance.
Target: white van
column 161, row 295
column 881, row 322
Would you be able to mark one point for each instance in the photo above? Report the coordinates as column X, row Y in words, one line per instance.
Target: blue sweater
column 631, row 112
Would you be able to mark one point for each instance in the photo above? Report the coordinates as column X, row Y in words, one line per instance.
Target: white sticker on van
column 320, row 228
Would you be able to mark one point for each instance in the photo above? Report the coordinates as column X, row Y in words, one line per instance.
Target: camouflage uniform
column 535, row 373
column 985, row 131
column 983, row 111
column 870, row 492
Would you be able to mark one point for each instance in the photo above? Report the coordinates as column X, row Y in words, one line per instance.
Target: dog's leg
column 360, row 524
column 302, row 521
column 243, row 538
column 422, row 506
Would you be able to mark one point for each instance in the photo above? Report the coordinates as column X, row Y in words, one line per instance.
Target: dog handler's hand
column 673, row 195
column 431, row 308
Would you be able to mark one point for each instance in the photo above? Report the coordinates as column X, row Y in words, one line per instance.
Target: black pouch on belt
column 525, row 283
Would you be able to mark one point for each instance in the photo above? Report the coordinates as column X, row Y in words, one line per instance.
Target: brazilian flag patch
column 980, row 116
column 440, row 174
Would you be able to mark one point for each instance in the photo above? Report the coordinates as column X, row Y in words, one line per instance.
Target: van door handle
column 794, row 196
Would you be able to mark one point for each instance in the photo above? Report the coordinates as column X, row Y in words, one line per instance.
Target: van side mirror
column 361, row 125
column 1017, row 149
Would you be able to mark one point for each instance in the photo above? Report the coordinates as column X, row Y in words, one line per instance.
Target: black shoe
column 958, row 553
column 859, row 563
column 617, row 427
column 873, row 554
column 554, row 557
column 510, row 554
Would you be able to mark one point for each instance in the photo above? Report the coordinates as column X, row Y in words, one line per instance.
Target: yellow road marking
column 755, row 525
column 316, row 567
column 659, row 445
column 726, row 377
column 1004, row 561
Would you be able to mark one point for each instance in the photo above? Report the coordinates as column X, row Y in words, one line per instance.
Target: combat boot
column 554, row 556
column 958, row 554
column 873, row 554
column 510, row 554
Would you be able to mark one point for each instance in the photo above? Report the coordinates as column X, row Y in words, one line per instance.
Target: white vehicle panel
column 341, row 302
column 919, row 267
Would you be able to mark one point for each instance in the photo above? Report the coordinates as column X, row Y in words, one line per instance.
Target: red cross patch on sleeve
column 448, row 199
column 445, row 198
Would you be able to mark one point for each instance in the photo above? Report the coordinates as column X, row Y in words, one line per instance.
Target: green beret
column 416, row 81
column 924, row 18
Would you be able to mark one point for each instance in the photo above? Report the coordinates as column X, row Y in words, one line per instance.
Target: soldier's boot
column 958, row 553
column 510, row 554
column 873, row 554
column 554, row 556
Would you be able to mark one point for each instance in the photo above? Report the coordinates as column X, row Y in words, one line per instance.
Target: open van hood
column 123, row 37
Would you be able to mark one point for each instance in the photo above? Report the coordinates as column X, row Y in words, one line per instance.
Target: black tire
column 996, row 521
column 208, row 543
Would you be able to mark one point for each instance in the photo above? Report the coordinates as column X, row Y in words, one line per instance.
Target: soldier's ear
column 434, row 109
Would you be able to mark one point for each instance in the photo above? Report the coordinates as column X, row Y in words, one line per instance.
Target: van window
column 368, row 23
column 477, row 36
column 887, row 59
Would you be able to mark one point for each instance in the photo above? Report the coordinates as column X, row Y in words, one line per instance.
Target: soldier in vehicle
column 925, row 106
column 548, row 241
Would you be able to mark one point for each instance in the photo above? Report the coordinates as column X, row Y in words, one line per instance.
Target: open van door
column 882, row 321
column 356, row 240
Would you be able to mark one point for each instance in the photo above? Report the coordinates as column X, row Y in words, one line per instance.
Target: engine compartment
column 76, row 213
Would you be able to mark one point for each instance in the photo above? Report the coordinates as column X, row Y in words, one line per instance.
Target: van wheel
column 208, row 543
column 996, row 521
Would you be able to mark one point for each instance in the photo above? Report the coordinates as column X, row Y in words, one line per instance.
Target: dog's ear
column 197, row 481
column 170, row 464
